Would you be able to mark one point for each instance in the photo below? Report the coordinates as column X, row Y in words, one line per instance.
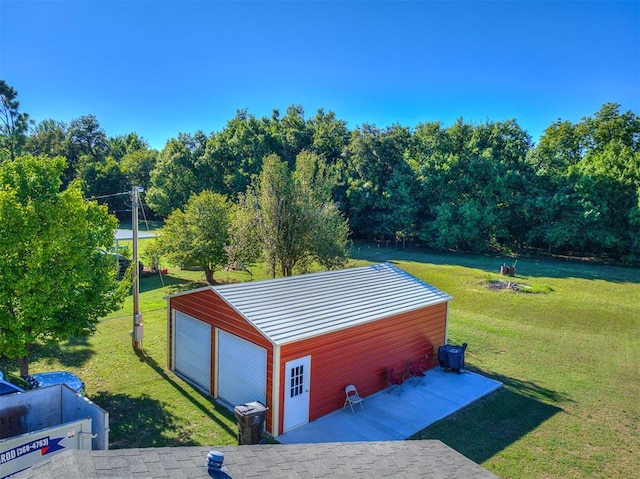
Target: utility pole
column 137, row 333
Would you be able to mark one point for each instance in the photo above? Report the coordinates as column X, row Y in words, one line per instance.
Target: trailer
column 36, row 424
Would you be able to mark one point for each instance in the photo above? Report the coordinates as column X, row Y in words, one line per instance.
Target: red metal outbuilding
column 294, row 343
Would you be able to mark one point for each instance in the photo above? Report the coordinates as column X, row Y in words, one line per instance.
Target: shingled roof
column 366, row 460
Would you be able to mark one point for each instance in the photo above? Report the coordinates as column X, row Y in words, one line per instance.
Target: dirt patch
column 501, row 285
column 519, row 286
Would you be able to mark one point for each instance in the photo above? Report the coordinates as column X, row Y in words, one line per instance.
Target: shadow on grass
column 175, row 284
column 527, row 388
column 72, row 353
column 139, row 422
column 147, row 422
column 529, row 266
column 220, row 410
column 491, row 424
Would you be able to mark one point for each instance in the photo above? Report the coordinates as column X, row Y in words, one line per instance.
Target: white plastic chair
column 352, row 397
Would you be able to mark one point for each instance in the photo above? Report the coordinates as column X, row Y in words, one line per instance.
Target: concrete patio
column 394, row 416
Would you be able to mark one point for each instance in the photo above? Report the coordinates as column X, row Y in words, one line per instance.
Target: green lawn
column 569, row 358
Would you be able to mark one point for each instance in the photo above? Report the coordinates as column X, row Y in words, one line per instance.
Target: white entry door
column 296, row 392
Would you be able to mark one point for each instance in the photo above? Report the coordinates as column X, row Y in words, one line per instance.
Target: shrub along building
column 294, row 343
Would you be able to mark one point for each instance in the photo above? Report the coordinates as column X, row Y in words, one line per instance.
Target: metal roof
column 299, row 307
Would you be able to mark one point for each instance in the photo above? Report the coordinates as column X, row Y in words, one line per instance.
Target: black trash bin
column 250, row 417
column 451, row 357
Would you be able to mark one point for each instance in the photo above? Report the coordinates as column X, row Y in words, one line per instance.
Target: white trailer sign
column 42, row 422
column 21, row 452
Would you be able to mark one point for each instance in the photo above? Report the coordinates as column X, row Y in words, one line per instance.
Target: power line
column 108, row 196
column 144, row 215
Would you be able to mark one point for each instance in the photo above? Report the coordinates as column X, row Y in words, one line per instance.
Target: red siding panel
column 358, row 355
column 207, row 306
column 361, row 355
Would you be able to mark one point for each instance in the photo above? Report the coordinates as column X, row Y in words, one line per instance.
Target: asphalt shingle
column 370, row 460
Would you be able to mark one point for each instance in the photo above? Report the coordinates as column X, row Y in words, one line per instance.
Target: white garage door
column 193, row 349
column 242, row 370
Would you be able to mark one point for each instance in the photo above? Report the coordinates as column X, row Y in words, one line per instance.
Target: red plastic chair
column 394, row 381
column 417, row 370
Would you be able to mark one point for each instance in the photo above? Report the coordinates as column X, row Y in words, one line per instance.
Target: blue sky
column 163, row 67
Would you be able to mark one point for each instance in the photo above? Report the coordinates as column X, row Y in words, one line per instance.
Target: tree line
column 465, row 186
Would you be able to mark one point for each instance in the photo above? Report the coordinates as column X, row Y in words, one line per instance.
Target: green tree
column 281, row 230
column 330, row 136
column 296, row 220
column 88, row 144
column 376, row 156
column 178, row 173
column 330, row 142
column 122, row 145
column 243, row 249
column 559, row 148
column 293, row 132
column 553, row 209
column 400, row 205
column 55, row 283
column 586, row 185
column 48, row 138
column 610, row 125
column 607, row 186
column 505, row 145
column 474, row 181
column 234, row 155
column 464, row 216
column 138, row 165
column 314, row 181
column 198, row 235
column 13, row 124
column 102, row 179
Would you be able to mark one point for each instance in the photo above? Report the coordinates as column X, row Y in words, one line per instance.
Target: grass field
column 569, row 357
